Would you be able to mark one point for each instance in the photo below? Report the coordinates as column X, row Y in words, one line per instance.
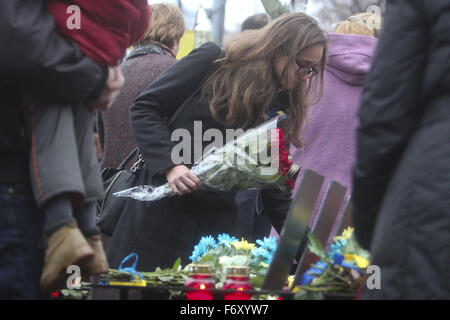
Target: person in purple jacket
column 330, row 131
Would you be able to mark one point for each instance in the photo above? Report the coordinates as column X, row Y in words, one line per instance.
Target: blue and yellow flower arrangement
column 338, row 270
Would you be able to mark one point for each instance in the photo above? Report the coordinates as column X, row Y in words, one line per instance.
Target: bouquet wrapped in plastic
column 257, row 159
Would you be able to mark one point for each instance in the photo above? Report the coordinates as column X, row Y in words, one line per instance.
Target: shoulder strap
column 124, row 163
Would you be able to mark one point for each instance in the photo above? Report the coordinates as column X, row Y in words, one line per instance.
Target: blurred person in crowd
column 64, row 168
column 364, row 24
column 401, row 179
column 254, row 22
column 152, row 55
column 329, row 133
column 34, row 60
column 281, row 62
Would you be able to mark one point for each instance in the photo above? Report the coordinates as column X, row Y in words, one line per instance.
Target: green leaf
column 177, row 264
column 352, row 247
column 185, row 277
column 166, row 279
column 72, row 294
column 257, row 282
column 309, row 295
column 208, row 259
column 274, row 8
column 316, row 247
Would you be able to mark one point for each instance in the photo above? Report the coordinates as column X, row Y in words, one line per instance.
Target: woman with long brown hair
column 277, row 67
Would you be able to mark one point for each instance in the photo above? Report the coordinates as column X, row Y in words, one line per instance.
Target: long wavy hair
column 245, row 85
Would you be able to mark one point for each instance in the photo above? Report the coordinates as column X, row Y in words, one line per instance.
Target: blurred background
column 212, row 20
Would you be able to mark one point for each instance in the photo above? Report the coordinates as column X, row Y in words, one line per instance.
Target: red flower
column 290, row 183
column 284, row 163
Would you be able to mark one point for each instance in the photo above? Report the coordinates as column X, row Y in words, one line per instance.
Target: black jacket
column 36, row 61
column 172, row 226
column 402, row 173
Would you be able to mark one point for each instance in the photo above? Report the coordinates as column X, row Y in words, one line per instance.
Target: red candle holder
column 237, row 284
column 200, row 282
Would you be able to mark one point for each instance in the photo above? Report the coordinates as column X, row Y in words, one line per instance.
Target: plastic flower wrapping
column 226, row 251
column 257, row 159
column 339, row 270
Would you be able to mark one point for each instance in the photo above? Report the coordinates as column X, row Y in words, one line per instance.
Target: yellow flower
column 243, row 245
column 290, row 281
column 361, row 262
column 345, row 235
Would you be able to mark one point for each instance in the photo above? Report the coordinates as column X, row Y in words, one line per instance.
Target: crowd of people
column 366, row 106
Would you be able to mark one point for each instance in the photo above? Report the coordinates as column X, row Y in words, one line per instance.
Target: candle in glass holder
column 200, row 283
column 237, row 284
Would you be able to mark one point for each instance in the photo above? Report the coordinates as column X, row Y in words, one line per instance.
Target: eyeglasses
column 306, row 72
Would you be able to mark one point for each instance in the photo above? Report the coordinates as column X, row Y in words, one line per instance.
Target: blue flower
column 203, row 246
column 268, row 258
column 312, row 273
column 336, row 248
column 257, row 252
column 208, row 242
column 270, row 244
column 261, row 254
column 225, row 239
column 198, row 251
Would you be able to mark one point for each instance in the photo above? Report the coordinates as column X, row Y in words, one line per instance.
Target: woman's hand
column 111, row 91
column 182, row 180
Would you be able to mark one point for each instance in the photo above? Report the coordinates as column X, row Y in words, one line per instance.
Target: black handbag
column 114, row 180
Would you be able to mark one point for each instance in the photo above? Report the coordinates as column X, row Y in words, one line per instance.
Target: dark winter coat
column 402, row 173
column 35, row 60
column 141, row 68
column 172, row 226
